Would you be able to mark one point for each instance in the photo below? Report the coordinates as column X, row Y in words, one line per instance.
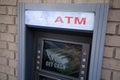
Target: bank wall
column 9, row 34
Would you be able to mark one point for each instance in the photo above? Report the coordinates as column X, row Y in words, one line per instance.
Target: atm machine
column 61, row 41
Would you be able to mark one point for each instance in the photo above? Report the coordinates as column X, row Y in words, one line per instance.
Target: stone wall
column 8, row 38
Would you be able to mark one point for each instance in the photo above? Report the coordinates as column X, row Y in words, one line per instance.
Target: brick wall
column 111, row 61
column 8, row 38
column 8, row 43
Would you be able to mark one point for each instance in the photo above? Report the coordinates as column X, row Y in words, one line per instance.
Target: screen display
column 61, row 57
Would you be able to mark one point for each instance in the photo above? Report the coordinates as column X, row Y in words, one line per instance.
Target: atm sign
column 69, row 20
column 76, row 20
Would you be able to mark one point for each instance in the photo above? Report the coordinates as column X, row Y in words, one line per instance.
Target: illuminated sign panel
column 68, row 20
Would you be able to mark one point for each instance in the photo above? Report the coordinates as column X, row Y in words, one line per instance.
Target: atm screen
column 61, row 57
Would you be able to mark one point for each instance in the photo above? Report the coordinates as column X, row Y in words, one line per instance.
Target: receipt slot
column 61, row 41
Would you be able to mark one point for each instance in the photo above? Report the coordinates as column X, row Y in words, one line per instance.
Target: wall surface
column 8, row 38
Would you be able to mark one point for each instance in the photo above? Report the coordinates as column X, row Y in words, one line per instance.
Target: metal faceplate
column 26, row 36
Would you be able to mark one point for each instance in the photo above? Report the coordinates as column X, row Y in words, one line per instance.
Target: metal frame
column 101, row 12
